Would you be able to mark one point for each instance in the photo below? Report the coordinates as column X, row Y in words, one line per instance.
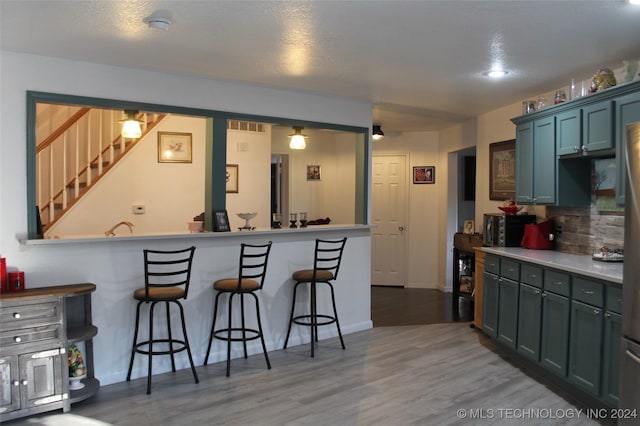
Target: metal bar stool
column 167, row 274
column 326, row 264
column 251, row 275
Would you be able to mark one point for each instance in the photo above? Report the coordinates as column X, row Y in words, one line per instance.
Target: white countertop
column 574, row 263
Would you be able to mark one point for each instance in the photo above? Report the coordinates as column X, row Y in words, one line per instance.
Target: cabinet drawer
column 510, row 269
column 25, row 336
column 557, row 282
column 614, row 298
column 14, row 316
column 588, row 291
column 531, row 275
column 492, row 264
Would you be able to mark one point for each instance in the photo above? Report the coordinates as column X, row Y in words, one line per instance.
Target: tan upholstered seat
column 167, row 275
column 250, row 279
column 326, row 264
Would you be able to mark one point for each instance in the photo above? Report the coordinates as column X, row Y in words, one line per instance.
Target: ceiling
column 420, row 63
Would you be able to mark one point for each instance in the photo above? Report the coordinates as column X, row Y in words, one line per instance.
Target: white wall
column 116, row 266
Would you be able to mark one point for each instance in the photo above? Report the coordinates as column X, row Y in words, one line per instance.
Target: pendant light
column 377, row 133
column 297, row 138
column 131, row 126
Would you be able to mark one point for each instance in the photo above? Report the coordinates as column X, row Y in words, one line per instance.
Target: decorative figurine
column 630, row 71
column 602, row 80
column 77, row 369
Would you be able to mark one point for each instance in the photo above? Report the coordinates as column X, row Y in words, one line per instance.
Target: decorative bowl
column 247, row 217
column 510, row 209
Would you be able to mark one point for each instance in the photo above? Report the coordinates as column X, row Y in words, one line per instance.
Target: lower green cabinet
column 611, row 357
column 490, row 301
column 529, row 317
column 585, row 358
column 507, row 312
column 554, row 345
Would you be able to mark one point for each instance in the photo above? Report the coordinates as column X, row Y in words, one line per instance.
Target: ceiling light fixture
column 297, row 138
column 131, row 126
column 495, row 73
column 159, row 20
column 377, row 133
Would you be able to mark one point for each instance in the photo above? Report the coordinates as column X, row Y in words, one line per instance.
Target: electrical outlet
column 137, row 209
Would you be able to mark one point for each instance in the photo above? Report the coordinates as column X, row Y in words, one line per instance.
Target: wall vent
column 246, row 126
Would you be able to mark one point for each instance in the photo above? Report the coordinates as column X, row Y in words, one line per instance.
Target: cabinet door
column 569, row 132
column 597, row 132
column 627, row 111
column 508, row 312
column 524, row 163
column 490, row 305
column 544, row 161
column 9, row 388
column 554, row 342
column 584, row 349
column 43, row 374
column 529, row 318
column 611, row 358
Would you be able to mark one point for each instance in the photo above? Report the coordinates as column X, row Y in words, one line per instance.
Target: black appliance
column 504, row 230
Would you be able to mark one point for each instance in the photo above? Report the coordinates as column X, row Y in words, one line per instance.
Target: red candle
column 16, row 281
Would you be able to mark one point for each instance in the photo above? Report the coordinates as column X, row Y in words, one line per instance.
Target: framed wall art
column 221, row 221
column 313, row 172
column 424, row 174
column 174, row 147
column 232, row 178
column 502, row 170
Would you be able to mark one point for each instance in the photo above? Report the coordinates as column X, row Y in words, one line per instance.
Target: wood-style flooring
column 434, row 374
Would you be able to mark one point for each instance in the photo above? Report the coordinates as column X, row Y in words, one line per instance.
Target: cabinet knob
column 558, row 283
column 24, row 382
column 576, row 148
column 596, row 312
column 15, row 383
column 607, row 315
column 544, row 294
column 585, row 149
column 537, row 291
column 532, row 275
column 16, row 315
column 17, row 339
column 588, row 292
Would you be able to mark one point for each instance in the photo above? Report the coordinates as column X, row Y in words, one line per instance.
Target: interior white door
column 389, row 207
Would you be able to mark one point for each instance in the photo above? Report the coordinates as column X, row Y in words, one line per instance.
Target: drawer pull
column 558, row 283
column 16, row 315
column 17, row 339
column 607, row 315
column 532, row 275
column 510, row 270
column 537, row 291
column 588, row 292
column 596, row 312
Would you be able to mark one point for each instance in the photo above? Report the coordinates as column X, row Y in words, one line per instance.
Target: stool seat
column 231, row 284
column 326, row 264
column 159, row 293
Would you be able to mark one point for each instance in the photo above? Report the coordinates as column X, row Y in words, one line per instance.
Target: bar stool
column 326, row 264
column 251, row 275
column 166, row 274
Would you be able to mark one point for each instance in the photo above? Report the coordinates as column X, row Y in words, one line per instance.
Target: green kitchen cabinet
column 597, row 127
column 569, row 132
column 490, row 304
column 627, row 111
column 529, row 321
column 554, row 335
column 507, row 312
column 536, row 159
column 611, row 357
column 585, row 356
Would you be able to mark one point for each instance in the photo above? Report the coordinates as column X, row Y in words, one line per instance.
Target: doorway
column 389, row 214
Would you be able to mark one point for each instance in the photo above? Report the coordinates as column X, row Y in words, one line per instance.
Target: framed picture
column 174, row 147
column 313, row 172
column 469, row 227
column 232, row 178
column 502, row 170
column 221, row 221
column 424, row 174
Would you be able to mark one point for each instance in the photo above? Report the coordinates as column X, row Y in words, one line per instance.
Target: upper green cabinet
column 554, row 145
column 627, row 111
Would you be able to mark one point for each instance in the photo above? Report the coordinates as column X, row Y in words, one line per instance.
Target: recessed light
column 159, row 20
column 495, row 73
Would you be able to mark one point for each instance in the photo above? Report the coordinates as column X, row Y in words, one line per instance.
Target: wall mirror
column 87, row 178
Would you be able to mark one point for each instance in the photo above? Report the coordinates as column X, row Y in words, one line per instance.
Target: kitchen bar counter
column 577, row 264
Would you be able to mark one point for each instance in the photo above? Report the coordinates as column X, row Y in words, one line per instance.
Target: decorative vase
column 77, row 369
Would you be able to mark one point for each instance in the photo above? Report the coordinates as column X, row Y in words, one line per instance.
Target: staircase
column 75, row 148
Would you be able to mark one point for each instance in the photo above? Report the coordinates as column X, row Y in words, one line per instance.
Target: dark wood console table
column 464, row 267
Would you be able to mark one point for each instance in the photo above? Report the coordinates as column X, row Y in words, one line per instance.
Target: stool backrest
column 253, row 262
column 168, row 268
column 328, row 255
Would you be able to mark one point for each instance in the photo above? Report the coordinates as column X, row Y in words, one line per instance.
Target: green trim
column 216, row 148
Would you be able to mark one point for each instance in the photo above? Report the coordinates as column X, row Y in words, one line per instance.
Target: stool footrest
column 223, row 334
column 309, row 323
column 180, row 343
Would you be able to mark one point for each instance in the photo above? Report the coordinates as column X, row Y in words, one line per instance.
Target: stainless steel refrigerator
column 630, row 353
